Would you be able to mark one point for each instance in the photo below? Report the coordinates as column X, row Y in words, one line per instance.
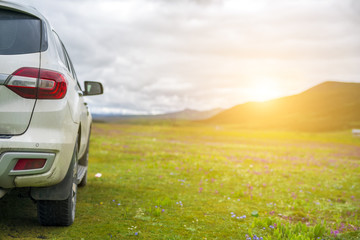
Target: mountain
column 328, row 106
column 187, row 114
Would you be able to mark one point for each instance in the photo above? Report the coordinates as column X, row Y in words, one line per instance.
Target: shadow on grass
column 17, row 210
column 18, row 215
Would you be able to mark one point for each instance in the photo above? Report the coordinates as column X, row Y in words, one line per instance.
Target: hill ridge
column 330, row 105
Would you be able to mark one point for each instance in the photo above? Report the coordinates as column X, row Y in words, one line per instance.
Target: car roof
column 22, row 8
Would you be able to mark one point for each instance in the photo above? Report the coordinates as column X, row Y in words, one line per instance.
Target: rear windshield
column 20, row 33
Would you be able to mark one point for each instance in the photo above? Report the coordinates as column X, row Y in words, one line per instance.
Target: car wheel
column 60, row 212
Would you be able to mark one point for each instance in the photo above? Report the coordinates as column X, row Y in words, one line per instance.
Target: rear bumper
column 51, row 135
column 8, row 161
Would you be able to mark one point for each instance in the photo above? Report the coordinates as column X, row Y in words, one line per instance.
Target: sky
column 157, row 56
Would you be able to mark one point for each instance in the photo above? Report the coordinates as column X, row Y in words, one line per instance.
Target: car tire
column 60, row 212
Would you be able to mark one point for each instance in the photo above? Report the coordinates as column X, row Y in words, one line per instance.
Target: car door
column 83, row 108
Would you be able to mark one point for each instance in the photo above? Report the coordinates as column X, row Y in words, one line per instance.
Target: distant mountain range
column 187, row 114
column 328, row 106
column 325, row 107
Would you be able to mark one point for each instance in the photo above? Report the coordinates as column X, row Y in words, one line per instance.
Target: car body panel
column 15, row 111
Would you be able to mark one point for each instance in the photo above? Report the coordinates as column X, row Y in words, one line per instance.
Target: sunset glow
column 264, row 90
column 167, row 56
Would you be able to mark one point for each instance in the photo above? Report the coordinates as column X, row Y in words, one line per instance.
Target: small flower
column 163, row 210
column 136, row 233
column 98, row 175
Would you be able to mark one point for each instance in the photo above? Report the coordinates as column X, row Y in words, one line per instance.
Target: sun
column 264, row 90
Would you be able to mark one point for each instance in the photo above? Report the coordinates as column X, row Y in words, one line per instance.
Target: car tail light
column 51, row 84
column 29, row 164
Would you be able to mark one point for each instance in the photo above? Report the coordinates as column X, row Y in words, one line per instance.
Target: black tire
column 60, row 212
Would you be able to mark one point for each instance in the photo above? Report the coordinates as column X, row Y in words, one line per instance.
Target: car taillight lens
column 51, row 85
column 29, row 164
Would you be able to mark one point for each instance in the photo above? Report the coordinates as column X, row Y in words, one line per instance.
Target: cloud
column 159, row 56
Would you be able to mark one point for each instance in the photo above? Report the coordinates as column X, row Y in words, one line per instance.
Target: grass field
column 188, row 181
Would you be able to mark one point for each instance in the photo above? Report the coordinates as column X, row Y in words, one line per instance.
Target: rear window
column 20, row 33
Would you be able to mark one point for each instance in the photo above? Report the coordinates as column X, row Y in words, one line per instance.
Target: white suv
column 44, row 119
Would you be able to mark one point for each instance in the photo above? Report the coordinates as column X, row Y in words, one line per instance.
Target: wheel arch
column 58, row 191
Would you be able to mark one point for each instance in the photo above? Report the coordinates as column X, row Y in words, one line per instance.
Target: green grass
column 189, row 181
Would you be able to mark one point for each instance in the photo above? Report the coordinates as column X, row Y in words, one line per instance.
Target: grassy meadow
column 191, row 181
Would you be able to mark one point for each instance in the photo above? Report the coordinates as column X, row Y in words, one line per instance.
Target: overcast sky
column 156, row 56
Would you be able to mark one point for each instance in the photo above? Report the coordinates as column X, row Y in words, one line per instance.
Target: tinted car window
column 20, row 33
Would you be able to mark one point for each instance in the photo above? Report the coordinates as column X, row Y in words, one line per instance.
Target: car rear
column 34, row 113
column 44, row 119
column 38, row 130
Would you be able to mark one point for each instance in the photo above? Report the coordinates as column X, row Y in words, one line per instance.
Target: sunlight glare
column 264, row 90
